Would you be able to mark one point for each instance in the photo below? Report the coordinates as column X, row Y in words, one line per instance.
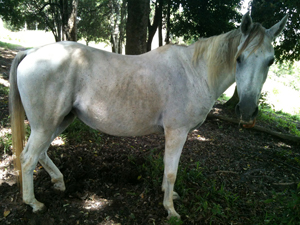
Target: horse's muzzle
column 246, row 114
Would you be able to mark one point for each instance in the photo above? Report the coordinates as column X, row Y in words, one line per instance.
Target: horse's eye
column 271, row 62
column 239, row 59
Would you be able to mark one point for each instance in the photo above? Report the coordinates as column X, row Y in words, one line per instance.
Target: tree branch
column 53, row 4
column 258, row 128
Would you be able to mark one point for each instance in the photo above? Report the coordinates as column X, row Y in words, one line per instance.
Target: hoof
column 175, row 196
column 59, row 186
column 174, row 215
column 39, row 208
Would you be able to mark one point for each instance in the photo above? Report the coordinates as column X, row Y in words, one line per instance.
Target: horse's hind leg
column 38, row 142
column 35, row 150
column 56, row 176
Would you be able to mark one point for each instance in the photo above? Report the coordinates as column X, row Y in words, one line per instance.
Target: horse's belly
column 120, row 121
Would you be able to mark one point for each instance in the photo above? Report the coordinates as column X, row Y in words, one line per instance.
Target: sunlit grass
column 6, row 45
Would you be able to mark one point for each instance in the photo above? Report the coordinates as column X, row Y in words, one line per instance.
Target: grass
column 210, row 201
column 289, row 210
column 79, row 132
column 283, row 121
column 5, row 139
column 9, row 45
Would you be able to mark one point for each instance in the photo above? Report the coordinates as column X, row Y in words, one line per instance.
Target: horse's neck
column 221, row 82
column 224, row 81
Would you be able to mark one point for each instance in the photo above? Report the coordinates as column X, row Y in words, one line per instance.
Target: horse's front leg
column 175, row 139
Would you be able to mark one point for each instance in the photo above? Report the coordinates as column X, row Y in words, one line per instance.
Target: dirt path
column 106, row 182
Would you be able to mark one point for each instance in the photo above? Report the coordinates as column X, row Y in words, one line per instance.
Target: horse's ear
column 274, row 31
column 246, row 23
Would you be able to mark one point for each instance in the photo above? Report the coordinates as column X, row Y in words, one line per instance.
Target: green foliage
column 53, row 15
column 94, row 24
column 287, row 73
column 12, row 12
column 203, row 18
column 223, row 98
column 268, row 12
column 263, row 101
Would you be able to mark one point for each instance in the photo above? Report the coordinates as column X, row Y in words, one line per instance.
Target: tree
column 94, row 24
column 203, row 18
column 157, row 20
column 71, row 26
column 11, row 13
column 118, row 21
column 57, row 15
column 267, row 12
column 136, row 27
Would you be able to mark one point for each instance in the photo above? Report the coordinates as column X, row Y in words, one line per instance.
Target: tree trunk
column 64, row 17
column 72, row 22
column 167, row 40
column 136, row 29
column 152, row 28
column 256, row 127
column 115, row 31
column 69, row 20
column 122, row 26
column 113, row 43
column 160, row 35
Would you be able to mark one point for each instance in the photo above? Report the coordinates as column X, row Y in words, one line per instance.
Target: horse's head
column 254, row 57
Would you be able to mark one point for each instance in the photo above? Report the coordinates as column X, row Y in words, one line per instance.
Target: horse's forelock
column 257, row 31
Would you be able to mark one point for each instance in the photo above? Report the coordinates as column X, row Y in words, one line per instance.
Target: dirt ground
column 105, row 186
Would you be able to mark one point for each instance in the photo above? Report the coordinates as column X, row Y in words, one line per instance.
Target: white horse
column 170, row 90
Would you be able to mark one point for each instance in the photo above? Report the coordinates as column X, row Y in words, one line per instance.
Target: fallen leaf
column 6, row 213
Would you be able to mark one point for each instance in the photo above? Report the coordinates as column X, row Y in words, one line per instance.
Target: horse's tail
column 17, row 114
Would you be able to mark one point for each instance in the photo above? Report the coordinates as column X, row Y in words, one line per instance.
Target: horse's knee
column 171, row 177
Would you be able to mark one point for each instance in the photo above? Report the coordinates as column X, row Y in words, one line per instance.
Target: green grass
column 210, row 201
column 9, row 46
column 282, row 121
column 5, row 143
column 79, row 132
column 289, row 207
column 5, row 140
column 206, row 197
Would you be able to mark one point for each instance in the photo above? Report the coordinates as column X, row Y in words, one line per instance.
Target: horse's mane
column 220, row 52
